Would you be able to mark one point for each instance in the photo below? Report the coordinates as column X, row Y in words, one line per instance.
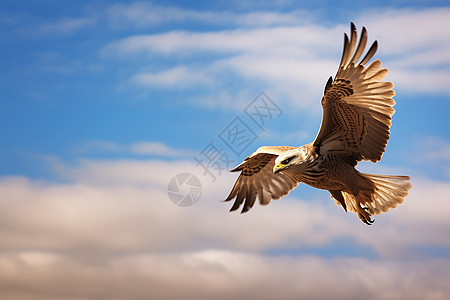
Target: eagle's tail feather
column 377, row 194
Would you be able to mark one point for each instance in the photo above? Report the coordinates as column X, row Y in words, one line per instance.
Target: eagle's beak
column 278, row 168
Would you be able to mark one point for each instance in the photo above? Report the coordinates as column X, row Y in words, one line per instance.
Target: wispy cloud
column 277, row 40
column 156, row 148
column 145, row 14
column 270, row 56
column 406, row 31
column 67, row 25
column 412, row 41
column 296, row 58
column 137, row 148
column 431, row 152
column 179, row 77
column 438, row 149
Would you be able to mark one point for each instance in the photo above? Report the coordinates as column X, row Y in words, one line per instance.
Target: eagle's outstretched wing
column 357, row 106
column 257, row 179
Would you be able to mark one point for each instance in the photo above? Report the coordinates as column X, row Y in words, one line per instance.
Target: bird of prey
column 357, row 112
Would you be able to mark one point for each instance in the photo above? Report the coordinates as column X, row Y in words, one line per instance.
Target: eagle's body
column 357, row 112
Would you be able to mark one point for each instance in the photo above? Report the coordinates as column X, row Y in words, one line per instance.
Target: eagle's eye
column 287, row 160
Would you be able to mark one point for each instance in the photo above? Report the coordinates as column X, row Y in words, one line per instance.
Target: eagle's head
column 293, row 158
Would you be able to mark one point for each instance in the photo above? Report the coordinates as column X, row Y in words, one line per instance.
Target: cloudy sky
column 104, row 103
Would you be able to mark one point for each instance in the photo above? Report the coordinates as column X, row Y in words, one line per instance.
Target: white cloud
column 435, row 149
column 141, row 186
column 178, row 77
column 66, row 26
column 404, row 32
column 288, row 66
column 123, row 171
column 412, row 41
column 157, row 148
column 294, row 60
column 114, row 225
column 431, row 81
column 219, row 275
column 136, row 148
column 277, row 40
column 431, row 153
column 144, row 14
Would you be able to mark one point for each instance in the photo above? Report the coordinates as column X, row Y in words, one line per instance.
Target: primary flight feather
column 357, row 113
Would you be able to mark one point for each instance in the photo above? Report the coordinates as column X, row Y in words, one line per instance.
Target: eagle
column 357, row 112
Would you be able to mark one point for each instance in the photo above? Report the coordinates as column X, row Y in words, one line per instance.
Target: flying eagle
column 357, row 113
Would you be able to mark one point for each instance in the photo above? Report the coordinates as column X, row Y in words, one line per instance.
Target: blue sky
column 104, row 102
